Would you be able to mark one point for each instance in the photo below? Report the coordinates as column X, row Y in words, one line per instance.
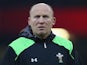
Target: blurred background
column 70, row 14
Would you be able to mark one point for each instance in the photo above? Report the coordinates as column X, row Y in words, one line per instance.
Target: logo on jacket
column 33, row 59
column 60, row 57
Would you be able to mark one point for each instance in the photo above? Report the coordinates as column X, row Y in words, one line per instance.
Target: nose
column 41, row 19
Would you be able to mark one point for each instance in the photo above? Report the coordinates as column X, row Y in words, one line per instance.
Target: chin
column 41, row 33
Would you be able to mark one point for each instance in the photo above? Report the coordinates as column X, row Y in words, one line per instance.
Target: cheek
column 50, row 23
column 33, row 22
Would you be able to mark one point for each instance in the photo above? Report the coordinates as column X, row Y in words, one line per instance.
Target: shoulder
column 20, row 44
column 63, row 42
column 20, row 41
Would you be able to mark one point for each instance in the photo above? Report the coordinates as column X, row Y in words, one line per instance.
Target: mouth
column 41, row 27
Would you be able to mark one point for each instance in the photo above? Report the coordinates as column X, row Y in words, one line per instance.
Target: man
column 37, row 45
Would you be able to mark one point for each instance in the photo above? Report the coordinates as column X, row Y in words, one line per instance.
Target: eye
column 37, row 16
column 45, row 16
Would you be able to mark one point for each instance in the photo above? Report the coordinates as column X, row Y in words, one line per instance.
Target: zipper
column 45, row 46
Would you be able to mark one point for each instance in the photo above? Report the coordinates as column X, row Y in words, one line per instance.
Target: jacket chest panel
column 40, row 55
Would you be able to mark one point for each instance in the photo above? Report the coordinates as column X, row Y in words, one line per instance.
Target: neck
column 42, row 36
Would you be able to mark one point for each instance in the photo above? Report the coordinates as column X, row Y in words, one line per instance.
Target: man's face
column 41, row 20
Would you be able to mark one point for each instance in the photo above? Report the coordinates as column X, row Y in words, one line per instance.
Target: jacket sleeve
column 77, row 59
column 9, row 58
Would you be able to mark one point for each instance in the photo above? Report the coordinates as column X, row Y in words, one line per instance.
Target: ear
column 54, row 20
column 29, row 21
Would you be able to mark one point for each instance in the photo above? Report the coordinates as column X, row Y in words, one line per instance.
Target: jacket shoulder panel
column 20, row 44
column 64, row 42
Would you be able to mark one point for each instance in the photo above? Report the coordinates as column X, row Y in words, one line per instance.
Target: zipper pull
column 45, row 46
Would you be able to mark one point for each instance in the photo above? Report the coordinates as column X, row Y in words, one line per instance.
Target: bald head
column 41, row 6
column 41, row 20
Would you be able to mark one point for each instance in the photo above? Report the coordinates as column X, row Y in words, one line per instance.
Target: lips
column 41, row 27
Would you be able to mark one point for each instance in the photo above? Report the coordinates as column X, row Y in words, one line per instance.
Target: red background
column 73, row 19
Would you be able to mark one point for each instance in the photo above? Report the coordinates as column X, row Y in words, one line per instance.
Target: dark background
column 70, row 14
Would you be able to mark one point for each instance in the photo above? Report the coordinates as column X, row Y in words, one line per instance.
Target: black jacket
column 30, row 50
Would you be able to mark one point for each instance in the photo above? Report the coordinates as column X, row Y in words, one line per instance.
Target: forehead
column 41, row 10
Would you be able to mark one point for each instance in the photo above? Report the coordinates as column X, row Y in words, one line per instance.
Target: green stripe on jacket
column 20, row 44
column 65, row 43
